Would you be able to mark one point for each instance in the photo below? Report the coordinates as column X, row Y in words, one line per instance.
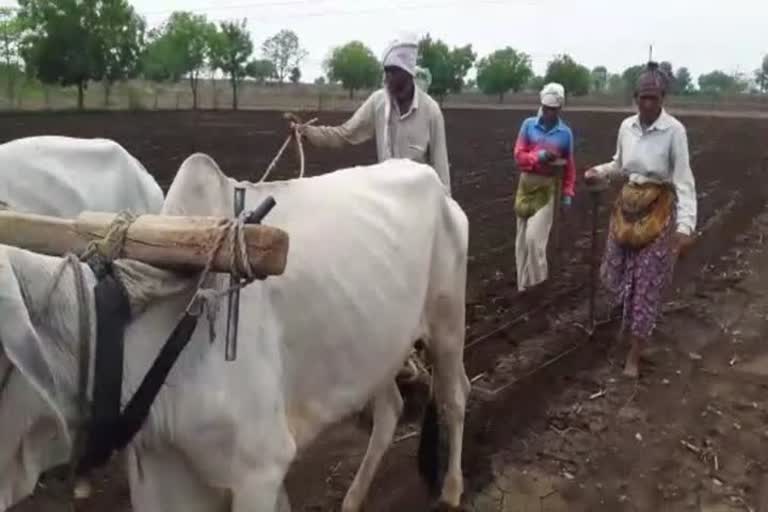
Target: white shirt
column 417, row 135
column 657, row 154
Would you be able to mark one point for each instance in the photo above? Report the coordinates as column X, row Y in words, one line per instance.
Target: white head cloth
column 402, row 53
column 553, row 95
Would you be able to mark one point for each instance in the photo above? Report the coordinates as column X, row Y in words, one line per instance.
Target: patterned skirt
column 637, row 279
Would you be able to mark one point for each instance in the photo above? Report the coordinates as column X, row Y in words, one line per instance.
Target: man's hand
column 681, row 243
column 294, row 123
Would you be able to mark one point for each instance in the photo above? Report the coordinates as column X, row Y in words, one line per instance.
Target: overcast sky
column 700, row 34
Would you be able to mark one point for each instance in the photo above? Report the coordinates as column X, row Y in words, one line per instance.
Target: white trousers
column 531, row 246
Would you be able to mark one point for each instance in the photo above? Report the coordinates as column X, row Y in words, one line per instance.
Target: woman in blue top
column 542, row 140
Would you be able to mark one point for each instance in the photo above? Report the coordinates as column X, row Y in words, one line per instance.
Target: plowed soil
column 552, row 425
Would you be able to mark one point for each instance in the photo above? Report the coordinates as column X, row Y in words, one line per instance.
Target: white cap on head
column 402, row 53
column 553, row 95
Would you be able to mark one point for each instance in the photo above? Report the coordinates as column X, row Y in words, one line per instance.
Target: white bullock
column 64, row 176
column 377, row 260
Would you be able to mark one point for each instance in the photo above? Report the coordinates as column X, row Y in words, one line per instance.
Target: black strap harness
column 109, row 429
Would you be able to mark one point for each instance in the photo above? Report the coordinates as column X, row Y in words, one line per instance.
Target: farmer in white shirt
column 655, row 215
column 405, row 120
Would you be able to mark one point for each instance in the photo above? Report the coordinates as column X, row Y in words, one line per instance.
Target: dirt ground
column 563, row 430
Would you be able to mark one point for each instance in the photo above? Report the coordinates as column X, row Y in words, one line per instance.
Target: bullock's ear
column 43, row 350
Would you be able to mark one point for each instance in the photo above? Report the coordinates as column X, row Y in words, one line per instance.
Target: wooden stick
column 172, row 242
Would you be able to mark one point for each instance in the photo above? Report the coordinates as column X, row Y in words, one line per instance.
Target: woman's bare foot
column 631, row 368
column 632, row 365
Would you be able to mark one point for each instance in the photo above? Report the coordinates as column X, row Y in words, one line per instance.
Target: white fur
column 377, row 259
column 63, row 176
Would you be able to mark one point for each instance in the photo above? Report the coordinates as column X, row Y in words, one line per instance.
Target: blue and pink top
column 534, row 138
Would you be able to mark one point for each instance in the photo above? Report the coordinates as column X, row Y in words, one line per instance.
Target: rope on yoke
column 294, row 135
column 231, row 233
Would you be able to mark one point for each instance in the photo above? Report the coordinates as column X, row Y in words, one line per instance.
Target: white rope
column 207, row 299
column 72, row 262
column 110, row 247
column 294, row 135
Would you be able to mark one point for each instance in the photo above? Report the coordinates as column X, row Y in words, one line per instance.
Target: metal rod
column 593, row 261
column 257, row 215
column 558, row 168
column 596, row 193
column 233, row 301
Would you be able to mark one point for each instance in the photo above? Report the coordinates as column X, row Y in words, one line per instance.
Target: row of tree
column 74, row 42
column 509, row 70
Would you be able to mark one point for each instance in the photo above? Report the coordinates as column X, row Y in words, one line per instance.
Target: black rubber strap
column 109, row 430
column 137, row 410
column 113, row 312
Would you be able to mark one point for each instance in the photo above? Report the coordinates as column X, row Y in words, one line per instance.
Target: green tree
column 668, row 70
column 261, row 70
column 160, row 62
column 761, row 76
column 60, row 42
column 631, row 75
column 189, row 40
column 10, row 36
column 355, row 66
column 573, row 76
column 285, row 52
column 535, row 84
column 502, row 71
column 120, row 36
column 230, row 50
column 669, row 74
column 718, row 82
column 683, row 81
column 448, row 67
column 295, row 76
column 616, row 84
column 599, row 79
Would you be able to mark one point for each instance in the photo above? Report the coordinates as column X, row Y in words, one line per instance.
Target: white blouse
column 657, row 154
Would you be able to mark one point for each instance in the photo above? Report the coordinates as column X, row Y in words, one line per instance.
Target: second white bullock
column 64, row 176
column 377, row 260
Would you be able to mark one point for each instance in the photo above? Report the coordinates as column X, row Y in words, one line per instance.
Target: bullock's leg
column 451, row 389
column 387, row 407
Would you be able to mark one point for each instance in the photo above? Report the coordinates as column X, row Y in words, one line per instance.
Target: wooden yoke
column 171, row 242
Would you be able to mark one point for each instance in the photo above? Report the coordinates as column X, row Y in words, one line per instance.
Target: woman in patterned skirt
column 655, row 215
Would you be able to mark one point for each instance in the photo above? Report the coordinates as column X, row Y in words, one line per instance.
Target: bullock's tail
column 429, row 448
